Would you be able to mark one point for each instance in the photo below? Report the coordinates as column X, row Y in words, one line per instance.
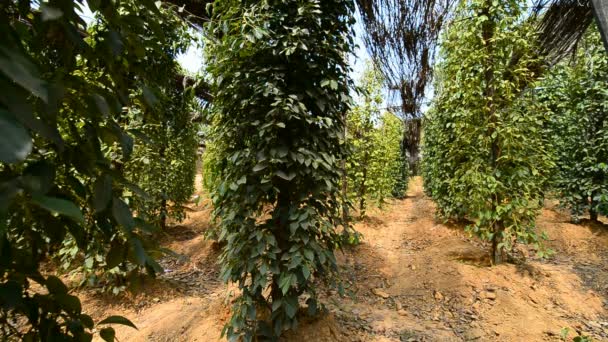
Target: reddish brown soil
column 412, row 278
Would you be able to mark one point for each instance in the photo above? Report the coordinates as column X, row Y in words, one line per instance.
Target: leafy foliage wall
column 577, row 96
column 71, row 101
column 164, row 166
column 375, row 167
column 281, row 89
column 486, row 157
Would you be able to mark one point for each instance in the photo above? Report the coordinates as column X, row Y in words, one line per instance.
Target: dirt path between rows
column 412, row 278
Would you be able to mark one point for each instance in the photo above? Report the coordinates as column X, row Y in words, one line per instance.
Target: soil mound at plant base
column 412, row 279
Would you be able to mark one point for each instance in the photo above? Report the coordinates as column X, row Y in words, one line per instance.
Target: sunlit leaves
column 486, row 157
column 577, row 95
column 374, row 166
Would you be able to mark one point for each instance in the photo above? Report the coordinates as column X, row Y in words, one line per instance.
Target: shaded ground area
column 412, row 279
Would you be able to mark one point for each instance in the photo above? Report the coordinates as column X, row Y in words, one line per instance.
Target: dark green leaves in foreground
column 59, row 206
column 117, row 320
column 70, row 96
column 15, row 141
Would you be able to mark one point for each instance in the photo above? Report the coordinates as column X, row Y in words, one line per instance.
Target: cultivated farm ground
column 412, row 278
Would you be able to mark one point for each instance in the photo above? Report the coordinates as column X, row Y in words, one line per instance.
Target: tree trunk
column 363, row 185
column 345, row 213
column 362, row 193
column 163, row 203
column 411, row 143
column 489, row 92
column 593, row 216
column 498, row 254
column 281, row 233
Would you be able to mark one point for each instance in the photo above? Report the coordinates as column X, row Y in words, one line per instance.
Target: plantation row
column 505, row 131
column 99, row 131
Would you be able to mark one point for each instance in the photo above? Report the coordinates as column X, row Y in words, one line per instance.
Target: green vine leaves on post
column 485, row 154
column 165, row 166
column 387, row 167
column 374, row 166
column 281, row 89
column 577, row 95
column 64, row 88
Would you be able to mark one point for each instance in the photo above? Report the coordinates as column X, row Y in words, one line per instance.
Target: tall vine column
column 280, row 87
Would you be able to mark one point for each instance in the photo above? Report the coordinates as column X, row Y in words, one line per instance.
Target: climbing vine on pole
column 375, row 168
column 484, row 147
column 576, row 94
column 280, row 89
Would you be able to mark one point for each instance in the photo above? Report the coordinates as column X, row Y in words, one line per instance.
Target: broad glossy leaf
column 123, row 214
column 23, row 72
column 69, row 303
column 149, row 96
column 137, row 252
column 102, row 193
column 117, row 320
column 15, row 142
column 60, row 206
column 286, row 176
column 55, row 285
column 107, row 334
column 116, row 255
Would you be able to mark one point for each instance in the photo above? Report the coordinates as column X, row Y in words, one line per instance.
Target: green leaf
column 126, row 143
column 153, row 266
column 16, row 143
column 69, row 303
column 122, row 214
column 20, row 109
column 149, row 96
column 59, row 206
column 38, row 177
column 22, row 71
column 101, row 104
column 55, row 285
column 309, row 254
column 276, row 304
column 145, row 226
column 285, row 283
column 285, row 176
column 260, row 167
column 102, row 193
column 290, row 309
column 137, row 252
column 107, row 334
column 116, row 255
column 305, row 271
column 312, row 306
column 87, row 321
column 117, row 320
